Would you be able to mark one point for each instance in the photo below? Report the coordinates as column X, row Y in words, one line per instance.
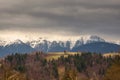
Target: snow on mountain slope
column 16, row 46
column 43, row 46
column 2, row 43
column 18, row 41
column 46, row 45
column 36, row 42
column 5, row 43
column 118, row 42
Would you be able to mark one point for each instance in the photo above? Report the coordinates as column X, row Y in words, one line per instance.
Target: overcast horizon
column 20, row 19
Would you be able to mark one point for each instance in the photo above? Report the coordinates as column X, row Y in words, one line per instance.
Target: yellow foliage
column 113, row 73
column 10, row 74
column 70, row 75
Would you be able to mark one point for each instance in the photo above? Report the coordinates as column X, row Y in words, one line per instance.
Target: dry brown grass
column 111, row 54
column 56, row 55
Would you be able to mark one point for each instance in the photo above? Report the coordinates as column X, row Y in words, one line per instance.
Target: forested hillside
column 36, row 66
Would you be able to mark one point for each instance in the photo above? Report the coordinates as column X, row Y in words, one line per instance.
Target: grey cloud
column 70, row 17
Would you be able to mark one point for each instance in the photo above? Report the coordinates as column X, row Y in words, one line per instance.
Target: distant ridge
column 98, row 47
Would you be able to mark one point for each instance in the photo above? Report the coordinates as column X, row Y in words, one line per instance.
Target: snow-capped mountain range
column 46, row 45
column 77, row 42
column 18, row 46
column 82, row 40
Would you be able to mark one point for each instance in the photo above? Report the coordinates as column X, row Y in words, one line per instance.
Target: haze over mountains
column 84, row 44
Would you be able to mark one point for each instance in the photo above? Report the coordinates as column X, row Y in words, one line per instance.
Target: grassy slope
column 56, row 55
column 110, row 54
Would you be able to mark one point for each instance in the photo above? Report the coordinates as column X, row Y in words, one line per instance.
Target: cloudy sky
column 33, row 18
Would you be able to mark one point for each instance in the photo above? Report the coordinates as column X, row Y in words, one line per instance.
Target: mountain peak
column 94, row 38
column 17, row 41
